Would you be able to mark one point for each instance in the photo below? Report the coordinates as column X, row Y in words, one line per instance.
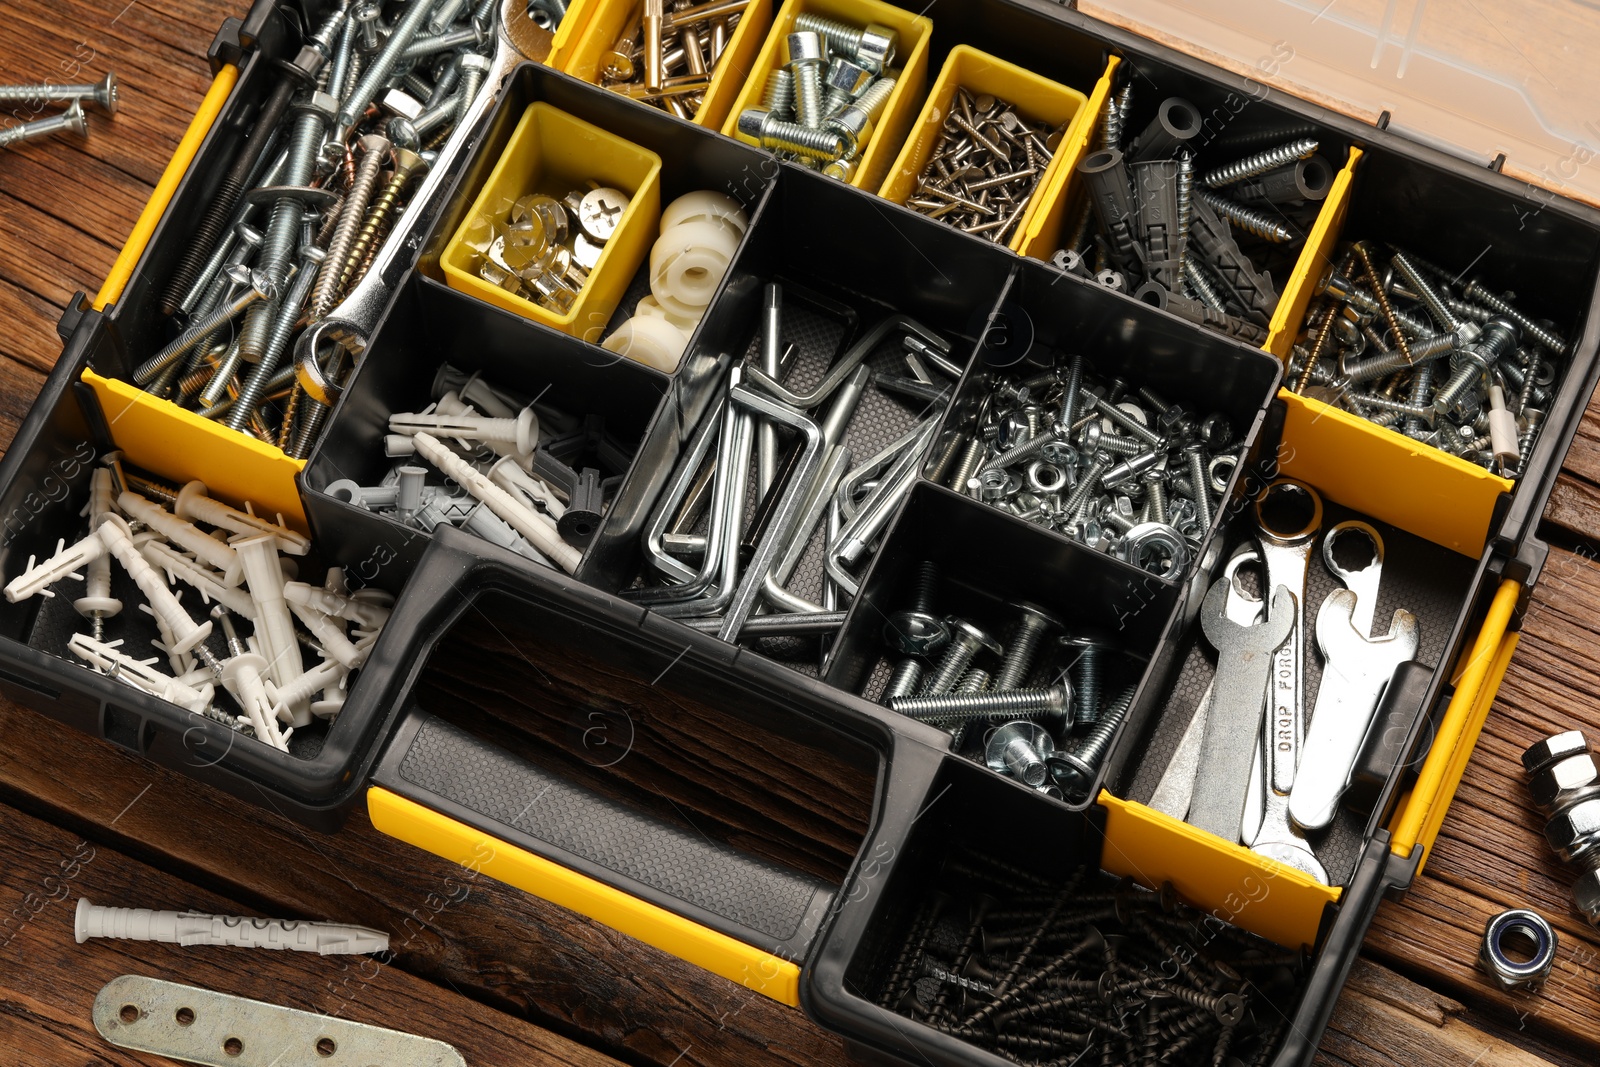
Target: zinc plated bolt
column 807, row 59
column 1018, row 662
column 1425, row 290
column 966, row 641
column 1079, row 766
column 1088, row 644
column 378, row 71
column 1129, row 423
column 871, row 46
column 259, row 289
column 71, row 119
column 1019, row 750
column 1195, row 455
column 1088, row 483
column 904, row 681
column 1499, row 304
column 103, row 93
column 759, row 125
column 255, row 383
column 1069, row 398
column 1052, row 703
column 1470, row 364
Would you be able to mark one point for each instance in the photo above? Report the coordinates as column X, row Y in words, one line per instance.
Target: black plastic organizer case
column 751, row 807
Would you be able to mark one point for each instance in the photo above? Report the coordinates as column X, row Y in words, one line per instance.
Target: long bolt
column 956, row 707
column 1424, row 289
column 378, row 71
column 1496, row 303
column 200, row 331
column 1196, row 457
column 1083, row 763
column 1403, row 343
column 1129, row 423
column 1423, row 351
column 287, row 213
column 71, row 119
column 1087, row 484
column 971, row 458
column 255, row 383
column 1069, row 398
column 958, row 656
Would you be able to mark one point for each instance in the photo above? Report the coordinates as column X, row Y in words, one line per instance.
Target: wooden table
column 511, row 979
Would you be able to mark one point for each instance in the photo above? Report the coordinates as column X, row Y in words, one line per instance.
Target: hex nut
column 1552, row 749
column 1574, row 832
column 1586, row 895
column 1512, row 974
column 1564, row 783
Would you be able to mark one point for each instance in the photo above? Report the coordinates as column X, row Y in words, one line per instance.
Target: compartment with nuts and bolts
column 464, row 414
column 835, row 86
column 764, row 538
column 979, row 939
column 1031, row 667
column 318, row 153
column 1191, row 198
column 1094, row 417
column 1464, row 336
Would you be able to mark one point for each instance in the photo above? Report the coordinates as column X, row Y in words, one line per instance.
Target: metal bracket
column 197, row 1025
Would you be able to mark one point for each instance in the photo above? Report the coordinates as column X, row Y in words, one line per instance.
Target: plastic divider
column 179, row 445
column 1035, row 98
column 911, row 56
column 1042, row 235
column 608, row 21
column 1316, row 259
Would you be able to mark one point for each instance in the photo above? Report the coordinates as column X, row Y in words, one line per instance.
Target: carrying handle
column 472, row 802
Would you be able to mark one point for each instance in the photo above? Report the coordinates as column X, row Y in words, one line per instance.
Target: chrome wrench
column 1176, row 788
column 1362, row 581
column 1355, row 672
column 1287, row 556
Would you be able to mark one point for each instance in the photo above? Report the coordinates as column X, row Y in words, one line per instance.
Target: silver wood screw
column 71, row 119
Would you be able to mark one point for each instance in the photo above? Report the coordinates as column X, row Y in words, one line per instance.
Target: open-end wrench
column 1363, row 581
column 1287, row 556
column 1244, row 665
column 1354, row 674
column 1176, row 787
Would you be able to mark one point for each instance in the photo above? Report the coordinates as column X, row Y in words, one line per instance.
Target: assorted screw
column 1090, row 970
column 1446, row 362
column 541, row 248
column 1565, row 786
column 514, row 472
column 954, row 674
column 1169, row 217
column 985, row 167
column 1119, row 470
column 337, row 148
column 667, row 56
column 822, row 106
column 163, row 534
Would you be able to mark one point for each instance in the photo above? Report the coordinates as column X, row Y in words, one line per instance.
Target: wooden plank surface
column 509, row 978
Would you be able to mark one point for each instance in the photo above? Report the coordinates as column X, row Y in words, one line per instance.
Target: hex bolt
column 1080, row 766
column 1471, row 364
column 71, row 120
column 102, row 93
column 966, row 641
column 1019, row 750
column 1031, row 627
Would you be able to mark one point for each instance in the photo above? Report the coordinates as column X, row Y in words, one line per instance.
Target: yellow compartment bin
column 911, row 56
column 1036, row 98
column 552, row 152
column 609, row 19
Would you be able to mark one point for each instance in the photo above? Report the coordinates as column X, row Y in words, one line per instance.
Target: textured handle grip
column 681, row 871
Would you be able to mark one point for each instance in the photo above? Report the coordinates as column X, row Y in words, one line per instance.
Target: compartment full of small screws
column 667, row 55
column 541, row 247
column 1436, row 355
column 1085, row 969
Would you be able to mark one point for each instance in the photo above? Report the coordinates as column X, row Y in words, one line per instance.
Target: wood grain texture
column 48, row 982
column 502, row 974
